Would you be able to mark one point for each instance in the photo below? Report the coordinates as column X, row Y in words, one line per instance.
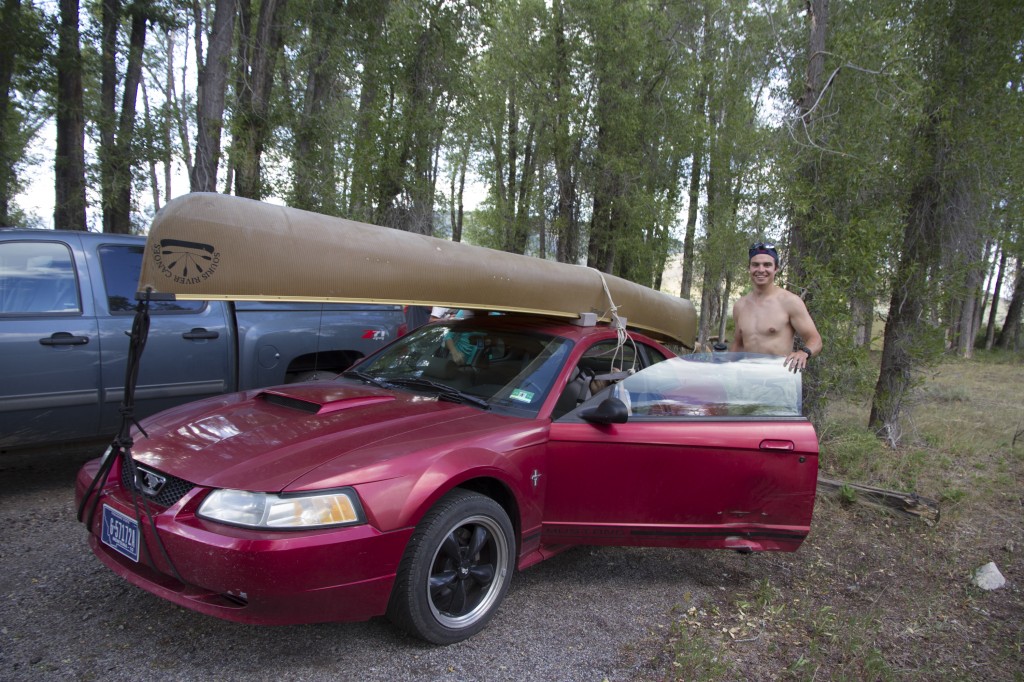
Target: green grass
column 694, row 658
column 873, row 597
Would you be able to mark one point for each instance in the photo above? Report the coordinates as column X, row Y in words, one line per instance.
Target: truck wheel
column 455, row 570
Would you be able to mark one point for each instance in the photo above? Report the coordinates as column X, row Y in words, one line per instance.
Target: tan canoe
column 216, row 246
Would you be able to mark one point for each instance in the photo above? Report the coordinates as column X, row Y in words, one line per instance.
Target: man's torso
column 764, row 325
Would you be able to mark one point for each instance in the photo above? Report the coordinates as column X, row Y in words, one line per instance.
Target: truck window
column 37, row 277
column 121, row 264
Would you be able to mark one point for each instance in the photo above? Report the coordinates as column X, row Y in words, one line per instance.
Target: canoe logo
column 186, row 262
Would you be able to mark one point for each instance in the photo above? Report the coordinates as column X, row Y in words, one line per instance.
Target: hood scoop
column 321, row 407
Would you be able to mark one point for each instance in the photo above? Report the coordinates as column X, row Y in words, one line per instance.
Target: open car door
column 706, row 451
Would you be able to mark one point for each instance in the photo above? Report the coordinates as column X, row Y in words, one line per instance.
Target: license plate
column 120, row 532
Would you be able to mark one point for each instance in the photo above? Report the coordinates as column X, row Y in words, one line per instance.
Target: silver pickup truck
column 67, row 301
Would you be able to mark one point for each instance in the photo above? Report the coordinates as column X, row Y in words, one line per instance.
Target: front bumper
column 245, row 575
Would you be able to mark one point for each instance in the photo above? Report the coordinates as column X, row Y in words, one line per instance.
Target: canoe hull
column 216, row 246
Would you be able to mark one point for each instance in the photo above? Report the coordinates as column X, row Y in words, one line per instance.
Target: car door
column 188, row 354
column 713, row 453
column 49, row 370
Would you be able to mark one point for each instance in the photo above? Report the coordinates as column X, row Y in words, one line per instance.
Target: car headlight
column 282, row 512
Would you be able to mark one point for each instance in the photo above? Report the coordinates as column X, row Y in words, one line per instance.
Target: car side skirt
column 746, row 537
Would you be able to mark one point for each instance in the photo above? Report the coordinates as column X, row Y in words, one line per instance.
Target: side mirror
column 609, row 411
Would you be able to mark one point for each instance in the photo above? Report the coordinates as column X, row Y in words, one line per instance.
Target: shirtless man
column 768, row 318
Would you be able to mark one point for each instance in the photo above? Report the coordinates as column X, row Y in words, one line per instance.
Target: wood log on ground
column 907, row 505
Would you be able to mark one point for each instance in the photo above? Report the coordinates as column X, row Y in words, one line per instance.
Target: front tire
column 455, row 570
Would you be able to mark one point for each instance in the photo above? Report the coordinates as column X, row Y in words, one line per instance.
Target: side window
column 602, row 364
column 36, row 278
column 651, row 355
column 121, row 264
column 607, row 357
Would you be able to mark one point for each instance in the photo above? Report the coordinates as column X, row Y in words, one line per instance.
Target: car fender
column 394, row 504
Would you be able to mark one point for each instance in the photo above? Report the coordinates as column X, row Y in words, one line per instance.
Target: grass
column 872, row 597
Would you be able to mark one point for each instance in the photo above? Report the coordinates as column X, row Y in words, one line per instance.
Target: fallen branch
column 909, row 505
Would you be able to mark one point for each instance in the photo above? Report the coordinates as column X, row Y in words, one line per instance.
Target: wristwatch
column 806, row 350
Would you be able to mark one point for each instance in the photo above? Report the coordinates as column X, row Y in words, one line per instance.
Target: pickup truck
column 67, row 301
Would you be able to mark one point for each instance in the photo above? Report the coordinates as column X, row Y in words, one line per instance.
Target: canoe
column 217, row 246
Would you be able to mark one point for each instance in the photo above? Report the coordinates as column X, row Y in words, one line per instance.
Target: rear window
column 121, row 265
column 37, row 278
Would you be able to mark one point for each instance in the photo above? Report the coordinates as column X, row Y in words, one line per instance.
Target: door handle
column 785, row 445
column 64, row 339
column 198, row 333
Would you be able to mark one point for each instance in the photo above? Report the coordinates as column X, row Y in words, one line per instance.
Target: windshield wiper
column 368, row 378
column 444, row 391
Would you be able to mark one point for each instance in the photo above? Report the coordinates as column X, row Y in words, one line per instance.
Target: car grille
column 172, row 489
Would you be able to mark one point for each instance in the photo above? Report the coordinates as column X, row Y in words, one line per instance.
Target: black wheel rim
column 467, row 572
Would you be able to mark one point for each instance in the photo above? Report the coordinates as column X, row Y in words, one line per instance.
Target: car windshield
column 709, row 385
column 471, row 361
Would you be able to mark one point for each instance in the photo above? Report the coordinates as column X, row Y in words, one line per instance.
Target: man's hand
column 796, row 361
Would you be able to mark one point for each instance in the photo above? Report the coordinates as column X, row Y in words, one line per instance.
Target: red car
column 416, row 483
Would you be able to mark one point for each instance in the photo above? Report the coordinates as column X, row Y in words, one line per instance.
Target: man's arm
column 804, row 326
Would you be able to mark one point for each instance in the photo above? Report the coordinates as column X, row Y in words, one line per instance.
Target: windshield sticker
column 522, row 396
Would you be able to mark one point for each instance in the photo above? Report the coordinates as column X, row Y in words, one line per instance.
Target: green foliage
column 850, row 452
column 26, row 77
column 583, row 119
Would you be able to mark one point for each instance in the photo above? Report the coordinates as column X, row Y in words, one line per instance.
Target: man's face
column 762, row 269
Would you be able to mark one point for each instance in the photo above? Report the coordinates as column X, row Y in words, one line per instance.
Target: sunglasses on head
column 761, row 245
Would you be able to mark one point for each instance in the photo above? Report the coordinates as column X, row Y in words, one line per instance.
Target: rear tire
column 455, row 570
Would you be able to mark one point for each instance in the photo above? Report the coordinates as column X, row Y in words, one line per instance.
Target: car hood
column 268, row 439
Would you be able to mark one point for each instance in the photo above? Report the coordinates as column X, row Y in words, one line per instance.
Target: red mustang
column 417, row 482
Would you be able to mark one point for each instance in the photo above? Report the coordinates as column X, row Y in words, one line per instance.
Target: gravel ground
column 588, row 614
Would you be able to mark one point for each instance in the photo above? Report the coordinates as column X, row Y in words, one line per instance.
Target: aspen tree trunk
column 210, row 96
column 69, row 163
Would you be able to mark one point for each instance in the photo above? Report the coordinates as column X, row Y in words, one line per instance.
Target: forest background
column 877, row 142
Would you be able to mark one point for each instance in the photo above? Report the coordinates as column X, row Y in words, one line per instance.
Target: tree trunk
column 1009, row 335
column 69, row 162
column 170, row 98
column 154, row 178
column 906, row 323
column 458, row 194
column 119, row 221
column 253, row 126
column 423, row 128
column 368, row 24
column 967, row 330
column 212, row 83
column 709, row 300
column 800, row 241
column 686, row 286
column 990, row 331
column 862, row 313
column 982, row 297
column 565, row 151
column 10, row 16
column 723, row 318
column 700, row 112
column 110, row 20
column 314, row 173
